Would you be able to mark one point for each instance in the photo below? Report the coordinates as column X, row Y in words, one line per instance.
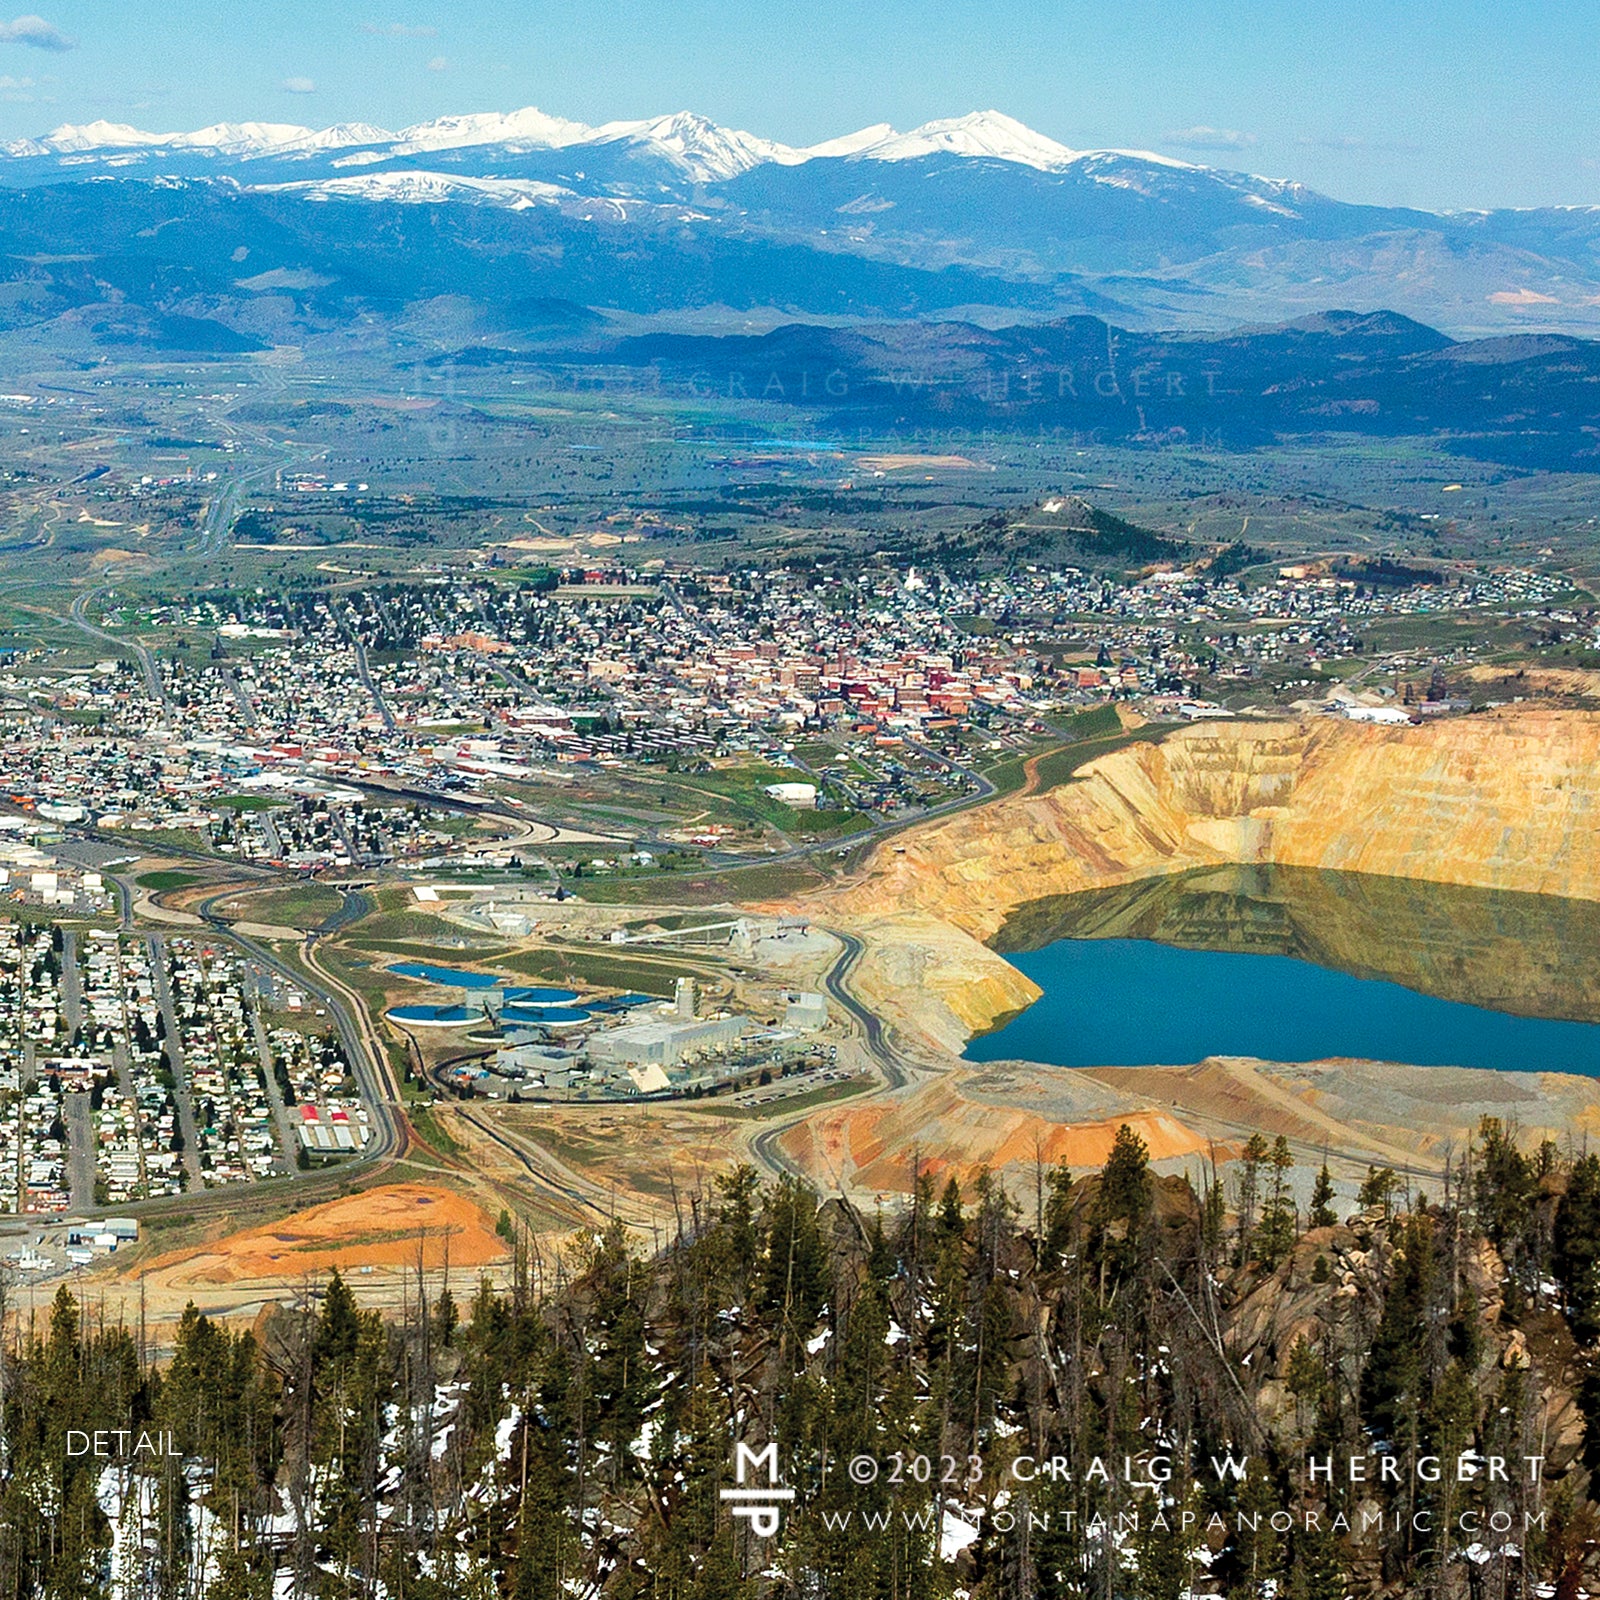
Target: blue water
column 1131, row 1002
column 434, row 1014
column 449, row 977
column 541, row 997
column 554, row 1014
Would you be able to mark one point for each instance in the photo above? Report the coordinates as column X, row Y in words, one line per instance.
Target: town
column 267, row 726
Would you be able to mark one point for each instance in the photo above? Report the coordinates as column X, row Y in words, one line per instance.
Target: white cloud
column 300, row 85
column 439, row 64
column 1208, row 138
column 35, row 31
column 399, row 30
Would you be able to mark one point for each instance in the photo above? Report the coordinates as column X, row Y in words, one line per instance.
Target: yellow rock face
column 1506, row 801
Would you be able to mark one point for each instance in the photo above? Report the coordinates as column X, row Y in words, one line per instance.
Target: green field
column 558, row 964
column 1060, row 766
column 170, row 878
column 733, row 886
column 304, row 905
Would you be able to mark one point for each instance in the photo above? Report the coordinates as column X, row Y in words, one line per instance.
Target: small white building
column 806, row 1011
column 797, row 796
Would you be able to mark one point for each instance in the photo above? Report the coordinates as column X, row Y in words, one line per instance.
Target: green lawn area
column 168, row 879
column 828, row 824
column 1009, row 774
column 1089, row 733
column 440, row 955
column 1062, row 765
column 404, row 923
column 739, row 793
column 429, row 1131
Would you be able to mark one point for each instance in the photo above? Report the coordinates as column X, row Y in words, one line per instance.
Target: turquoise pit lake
column 1291, row 965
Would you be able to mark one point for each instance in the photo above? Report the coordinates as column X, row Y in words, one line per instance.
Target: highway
column 368, row 1060
column 147, row 661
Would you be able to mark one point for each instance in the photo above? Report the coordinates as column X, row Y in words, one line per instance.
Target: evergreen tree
column 1321, row 1214
column 1575, row 1248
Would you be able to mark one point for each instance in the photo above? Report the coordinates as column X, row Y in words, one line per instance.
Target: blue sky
column 1430, row 104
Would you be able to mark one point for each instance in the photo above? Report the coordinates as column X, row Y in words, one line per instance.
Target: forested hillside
column 1121, row 1387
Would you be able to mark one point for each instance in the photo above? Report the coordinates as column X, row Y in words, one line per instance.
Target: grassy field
column 733, row 886
column 827, row 1094
column 443, row 955
column 1089, row 733
column 554, row 963
column 737, row 794
column 304, row 905
column 170, row 878
column 404, row 923
column 1060, row 766
column 431, row 1131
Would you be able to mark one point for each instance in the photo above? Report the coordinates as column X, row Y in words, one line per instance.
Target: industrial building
column 664, row 1043
column 806, row 1012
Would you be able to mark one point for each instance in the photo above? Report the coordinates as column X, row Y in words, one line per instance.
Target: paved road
column 890, row 1063
column 80, row 1150
column 147, row 661
column 364, row 672
column 71, row 983
column 156, row 950
column 368, row 1061
column 287, row 1123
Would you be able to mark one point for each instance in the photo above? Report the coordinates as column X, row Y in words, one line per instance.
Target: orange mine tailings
column 384, row 1227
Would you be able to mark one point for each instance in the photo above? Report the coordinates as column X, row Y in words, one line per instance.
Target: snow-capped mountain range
column 676, row 213
column 705, row 152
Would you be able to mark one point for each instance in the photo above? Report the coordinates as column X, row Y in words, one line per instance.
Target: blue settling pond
column 446, row 977
column 440, row 1015
column 541, row 997
column 550, row 1016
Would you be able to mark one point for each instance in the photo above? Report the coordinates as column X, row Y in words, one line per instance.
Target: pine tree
column 1275, row 1237
column 1322, row 1213
column 952, row 1219
column 1575, row 1248
column 1058, row 1217
column 1255, row 1152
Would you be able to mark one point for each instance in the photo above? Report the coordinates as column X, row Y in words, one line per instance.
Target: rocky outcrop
column 935, row 981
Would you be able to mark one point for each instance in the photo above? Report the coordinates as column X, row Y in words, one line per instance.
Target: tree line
column 1112, row 1386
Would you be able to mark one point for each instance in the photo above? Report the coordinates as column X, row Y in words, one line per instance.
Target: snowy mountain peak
column 988, row 134
column 850, row 144
column 221, row 138
column 101, row 135
column 237, row 138
column 528, row 127
column 704, row 151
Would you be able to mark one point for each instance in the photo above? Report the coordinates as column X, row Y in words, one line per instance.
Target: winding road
column 893, row 1067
